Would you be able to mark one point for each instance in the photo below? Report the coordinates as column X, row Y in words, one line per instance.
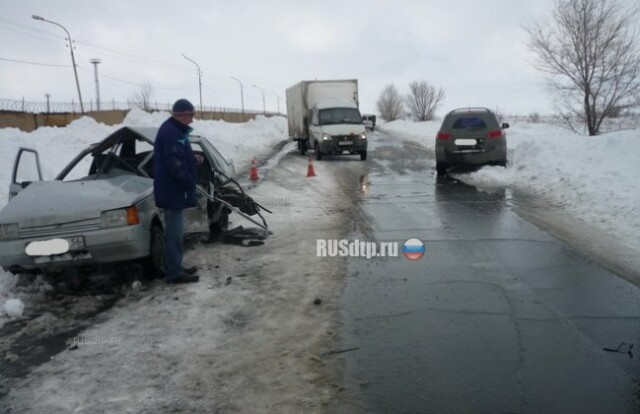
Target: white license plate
column 465, row 142
column 345, row 142
column 54, row 246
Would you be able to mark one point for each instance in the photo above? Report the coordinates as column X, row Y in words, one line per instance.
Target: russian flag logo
column 413, row 249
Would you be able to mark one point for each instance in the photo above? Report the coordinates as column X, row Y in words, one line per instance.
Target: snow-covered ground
column 248, row 337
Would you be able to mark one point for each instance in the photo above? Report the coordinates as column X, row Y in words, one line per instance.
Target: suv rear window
column 469, row 122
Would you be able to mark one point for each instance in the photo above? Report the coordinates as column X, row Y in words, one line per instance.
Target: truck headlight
column 9, row 231
column 326, row 137
column 118, row 218
column 363, row 135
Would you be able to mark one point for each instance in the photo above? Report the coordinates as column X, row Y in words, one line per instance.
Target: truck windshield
column 332, row 116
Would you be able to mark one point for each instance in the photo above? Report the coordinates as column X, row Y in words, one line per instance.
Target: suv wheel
column 441, row 168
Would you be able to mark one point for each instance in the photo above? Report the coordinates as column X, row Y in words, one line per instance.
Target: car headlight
column 326, row 137
column 9, row 231
column 118, row 218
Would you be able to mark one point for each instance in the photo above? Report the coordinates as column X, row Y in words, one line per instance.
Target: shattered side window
column 80, row 169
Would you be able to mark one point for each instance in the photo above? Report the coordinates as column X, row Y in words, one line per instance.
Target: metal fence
column 74, row 107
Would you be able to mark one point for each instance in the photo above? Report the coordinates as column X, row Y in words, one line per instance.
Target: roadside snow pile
column 240, row 142
column 421, row 132
column 13, row 308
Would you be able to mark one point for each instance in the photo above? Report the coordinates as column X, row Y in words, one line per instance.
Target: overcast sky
column 474, row 49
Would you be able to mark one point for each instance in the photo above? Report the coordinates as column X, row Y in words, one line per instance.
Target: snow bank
column 13, row 308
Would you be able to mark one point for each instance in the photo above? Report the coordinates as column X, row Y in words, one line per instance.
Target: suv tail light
column 496, row 133
column 444, row 136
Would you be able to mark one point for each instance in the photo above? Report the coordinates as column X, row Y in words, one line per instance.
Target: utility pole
column 278, row 98
column 48, row 95
column 264, row 107
column 73, row 58
column 199, row 79
column 96, row 62
column 241, row 93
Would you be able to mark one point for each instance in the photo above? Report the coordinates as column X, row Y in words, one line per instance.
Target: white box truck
column 323, row 115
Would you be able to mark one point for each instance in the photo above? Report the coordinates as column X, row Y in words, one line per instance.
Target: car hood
column 53, row 202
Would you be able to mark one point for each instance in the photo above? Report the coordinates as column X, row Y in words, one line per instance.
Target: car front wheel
column 157, row 263
column 222, row 224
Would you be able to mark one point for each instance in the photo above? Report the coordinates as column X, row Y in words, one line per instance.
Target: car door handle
column 13, row 193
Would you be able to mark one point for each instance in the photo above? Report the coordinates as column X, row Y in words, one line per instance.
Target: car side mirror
column 25, row 184
column 505, row 125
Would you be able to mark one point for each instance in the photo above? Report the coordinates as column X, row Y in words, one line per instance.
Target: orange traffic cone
column 253, row 174
column 311, row 172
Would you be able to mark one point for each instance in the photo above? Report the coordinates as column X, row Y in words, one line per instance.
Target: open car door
column 26, row 169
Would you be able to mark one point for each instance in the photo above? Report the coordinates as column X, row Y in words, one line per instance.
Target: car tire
column 363, row 155
column 157, row 265
column 441, row 168
column 302, row 144
column 318, row 152
column 222, row 224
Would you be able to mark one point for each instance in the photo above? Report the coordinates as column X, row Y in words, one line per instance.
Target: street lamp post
column 264, row 108
column 278, row 98
column 73, row 58
column 95, row 63
column 199, row 79
column 241, row 93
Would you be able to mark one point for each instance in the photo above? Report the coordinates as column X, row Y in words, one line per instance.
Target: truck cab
column 369, row 121
column 336, row 128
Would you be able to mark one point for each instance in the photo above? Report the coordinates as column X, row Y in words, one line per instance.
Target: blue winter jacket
column 174, row 167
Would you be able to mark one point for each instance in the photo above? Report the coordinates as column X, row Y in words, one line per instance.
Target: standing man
column 174, row 186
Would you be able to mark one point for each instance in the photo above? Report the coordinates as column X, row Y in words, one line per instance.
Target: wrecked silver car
column 100, row 207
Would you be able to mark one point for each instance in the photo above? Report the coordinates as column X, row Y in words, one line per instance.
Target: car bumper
column 471, row 157
column 338, row 147
column 100, row 246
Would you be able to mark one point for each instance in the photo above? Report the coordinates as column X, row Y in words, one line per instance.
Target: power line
column 102, row 74
column 110, row 52
column 135, row 57
column 34, row 63
column 124, row 56
column 32, row 35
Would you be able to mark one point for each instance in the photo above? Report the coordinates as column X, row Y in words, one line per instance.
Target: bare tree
column 423, row 100
column 143, row 98
column 390, row 104
column 590, row 50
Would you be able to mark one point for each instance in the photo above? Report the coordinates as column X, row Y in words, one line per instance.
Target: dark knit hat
column 183, row 106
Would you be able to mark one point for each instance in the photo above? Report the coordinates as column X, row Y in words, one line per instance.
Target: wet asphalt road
column 497, row 317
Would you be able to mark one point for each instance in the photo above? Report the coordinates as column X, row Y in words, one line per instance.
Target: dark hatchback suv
column 470, row 137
